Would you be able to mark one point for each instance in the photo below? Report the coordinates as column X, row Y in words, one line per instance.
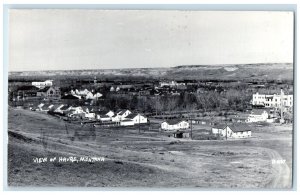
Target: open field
column 146, row 159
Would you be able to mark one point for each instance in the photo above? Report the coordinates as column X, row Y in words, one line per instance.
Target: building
column 273, row 101
column 170, row 84
column 257, row 115
column 26, row 92
column 43, row 84
column 44, row 107
column 174, row 124
column 91, row 96
column 104, row 115
column 120, row 115
column 70, row 99
column 127, row 122
column 137, row 118
column 237, row 130
column 89, row 115
column 49, row 93
column 76, row 110
column 181, row 134
column 62, row 108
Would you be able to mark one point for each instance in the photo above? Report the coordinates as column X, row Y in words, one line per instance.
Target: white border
column 141, row 2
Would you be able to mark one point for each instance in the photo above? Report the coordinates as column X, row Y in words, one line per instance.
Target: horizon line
column 162, row 67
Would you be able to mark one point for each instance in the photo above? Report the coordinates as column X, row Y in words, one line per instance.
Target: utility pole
column 139, row 112
column 139, row 123
column 156, row 105
column 191, row 123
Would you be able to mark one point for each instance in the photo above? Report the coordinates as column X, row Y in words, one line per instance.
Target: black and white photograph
column 153, row 99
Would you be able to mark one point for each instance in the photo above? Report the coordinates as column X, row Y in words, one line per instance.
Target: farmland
column 145, row 159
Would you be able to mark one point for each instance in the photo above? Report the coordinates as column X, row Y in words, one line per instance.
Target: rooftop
column 44, row 89
column 174, row 121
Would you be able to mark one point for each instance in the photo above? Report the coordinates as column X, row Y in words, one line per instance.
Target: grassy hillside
column 275, row 71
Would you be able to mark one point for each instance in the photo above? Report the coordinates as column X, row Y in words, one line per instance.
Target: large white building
column 170, row 84
column 273, row 101
column 43, row 84
column 175, row 124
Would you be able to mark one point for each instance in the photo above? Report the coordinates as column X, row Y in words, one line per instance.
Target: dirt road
column 281, row 171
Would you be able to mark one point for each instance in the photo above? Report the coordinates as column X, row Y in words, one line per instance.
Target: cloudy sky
column 96, row 39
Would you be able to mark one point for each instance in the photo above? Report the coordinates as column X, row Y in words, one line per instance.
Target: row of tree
column 231, row 100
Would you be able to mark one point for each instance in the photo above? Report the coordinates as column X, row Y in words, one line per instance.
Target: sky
column 52, row 39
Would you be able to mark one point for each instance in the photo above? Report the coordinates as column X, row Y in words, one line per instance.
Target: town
column 223, row 110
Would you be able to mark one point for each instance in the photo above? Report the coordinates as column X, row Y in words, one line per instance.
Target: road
column 282, row 172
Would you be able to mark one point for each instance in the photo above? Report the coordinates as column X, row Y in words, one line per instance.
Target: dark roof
column 45, row 106
column 220, row 126
column 132, row 115
column 44, row 89
column 28, row 88
column 239, row 127
column 64, row 107
column 174, row 121
column 71, row 97
column 100, row 112
column 121, row 112
column 126, row 120
column 104, row 116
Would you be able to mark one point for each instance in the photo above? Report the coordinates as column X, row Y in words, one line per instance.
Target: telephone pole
column 191, row 122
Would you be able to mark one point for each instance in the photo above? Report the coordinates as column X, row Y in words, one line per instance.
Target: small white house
column 61, row 108
column 44, row 107
column 91, row 96
column 121, row 115
column 257, row 115
column 76, row 110
column 103, row 117
column 137, row 118
column 127, row 122
column 175, row 124
column 110, row 113
column 238, row 130
column 89, row 115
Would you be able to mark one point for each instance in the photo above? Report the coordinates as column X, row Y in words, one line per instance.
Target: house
column 70, row 99
column 181, row 134
column 120, row 115
column 110, row 113
column 237, row 130
column 44, row 107
column 257, row 115
column 49, row 92
column 76, row 110
column 127, row 122
column 170, row 84
column 43, row 84
column 174, row 124
column 104, row 115
column 89, row 115
column 60, row 108
column 137, row 118
column 25, row 92
column 91, row 96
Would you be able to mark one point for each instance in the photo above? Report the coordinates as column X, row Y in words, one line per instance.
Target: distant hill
column 275, row 71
